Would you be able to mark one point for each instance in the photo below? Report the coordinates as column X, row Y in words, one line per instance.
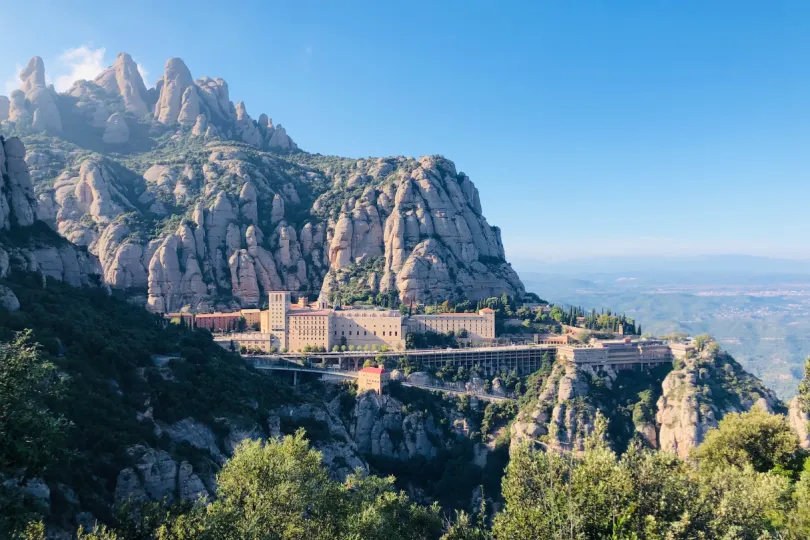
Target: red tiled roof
column 487, row 310
column 377, row 370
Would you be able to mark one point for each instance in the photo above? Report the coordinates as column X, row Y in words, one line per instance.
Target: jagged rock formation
column 147, row 181
column 380, row 428
column 123, row 79
column 691, row 401
column 425, row 220
column 56, row 259
column 560, row 419
column 116, row 130
column 695, row 398
column 40, row 105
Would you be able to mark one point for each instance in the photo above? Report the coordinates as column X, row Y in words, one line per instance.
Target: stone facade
column 619, row 354
column 372, row 379
column 479, row 327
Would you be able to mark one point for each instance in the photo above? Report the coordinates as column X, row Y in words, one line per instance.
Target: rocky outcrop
column 380, row 428
column 116, row 130
column 425, row 220
column 56, row 258
column 561, row 419
column 16, row 108
column 17, row 205
column 8, row 300
column 155, row 476
column 176, row 79
column 246, row 128
column 697, row 396
column 44, row 113
column 124, row 80
column 254, row 221
column 4, row 108
column 799, row 420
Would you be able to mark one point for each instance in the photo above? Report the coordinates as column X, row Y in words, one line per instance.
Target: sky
column 591, row 128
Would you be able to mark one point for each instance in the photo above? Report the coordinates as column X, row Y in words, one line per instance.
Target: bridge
column 295, row 369
column 522, row 359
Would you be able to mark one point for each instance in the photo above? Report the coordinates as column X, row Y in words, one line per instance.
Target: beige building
column 307, row 326
column 682, row 349
column 480, row 327
column 372, row 379
column 618, row 354
column 293, row 327
column 361, row 327
column 252, row 341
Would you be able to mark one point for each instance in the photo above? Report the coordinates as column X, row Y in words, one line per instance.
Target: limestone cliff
column 669, row 409
column 24, row 245
column 188, row 201
column 697, row 396
column 562, row 417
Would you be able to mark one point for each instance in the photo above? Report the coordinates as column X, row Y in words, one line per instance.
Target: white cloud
column 83, row 62
column 144, row 74
column 13, row 81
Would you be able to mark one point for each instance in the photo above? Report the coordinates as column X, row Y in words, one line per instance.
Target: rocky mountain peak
column 33, row 75
column 176, row 79
column 124, row 79
column 34, row 105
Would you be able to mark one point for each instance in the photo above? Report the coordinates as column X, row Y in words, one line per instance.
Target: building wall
column 311, row 329
column 250, row 340
column 218, row 322
column 277, row 307
column 480, row 326
column 252, row 316
column 371, row 382
column 363, row 327
column 583, row 355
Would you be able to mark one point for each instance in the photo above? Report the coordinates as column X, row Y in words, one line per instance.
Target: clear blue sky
column 589, row 127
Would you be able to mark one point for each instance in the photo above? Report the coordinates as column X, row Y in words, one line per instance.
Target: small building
column 682, row 349
column 372, row 379
column 219, row 322
column 252, row 318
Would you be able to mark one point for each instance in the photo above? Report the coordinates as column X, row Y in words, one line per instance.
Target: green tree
column 276, row 490
column 755, row 438
column 31, row 435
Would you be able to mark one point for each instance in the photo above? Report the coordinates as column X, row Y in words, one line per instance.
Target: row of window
column 365, row 333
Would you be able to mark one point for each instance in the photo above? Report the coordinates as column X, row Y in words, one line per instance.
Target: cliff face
column 667, row 409
column 24, row 244
column 188, row 201
column 562, row 416
column 698, row 395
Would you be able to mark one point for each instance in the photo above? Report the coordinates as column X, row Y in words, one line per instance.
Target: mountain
column 669, row 408
column 187, row 201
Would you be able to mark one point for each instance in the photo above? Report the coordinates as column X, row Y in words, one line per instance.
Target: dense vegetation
column 76, row 383
column 71, row 390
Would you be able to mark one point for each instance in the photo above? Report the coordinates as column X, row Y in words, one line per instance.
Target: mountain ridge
column 190, row 203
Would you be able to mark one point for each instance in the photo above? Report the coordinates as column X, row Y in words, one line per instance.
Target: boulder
column 116, row 130
column 8, row 300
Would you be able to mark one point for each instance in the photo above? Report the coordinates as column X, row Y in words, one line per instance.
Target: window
column 342, row 333
column 395, row 334
column 365, row 333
